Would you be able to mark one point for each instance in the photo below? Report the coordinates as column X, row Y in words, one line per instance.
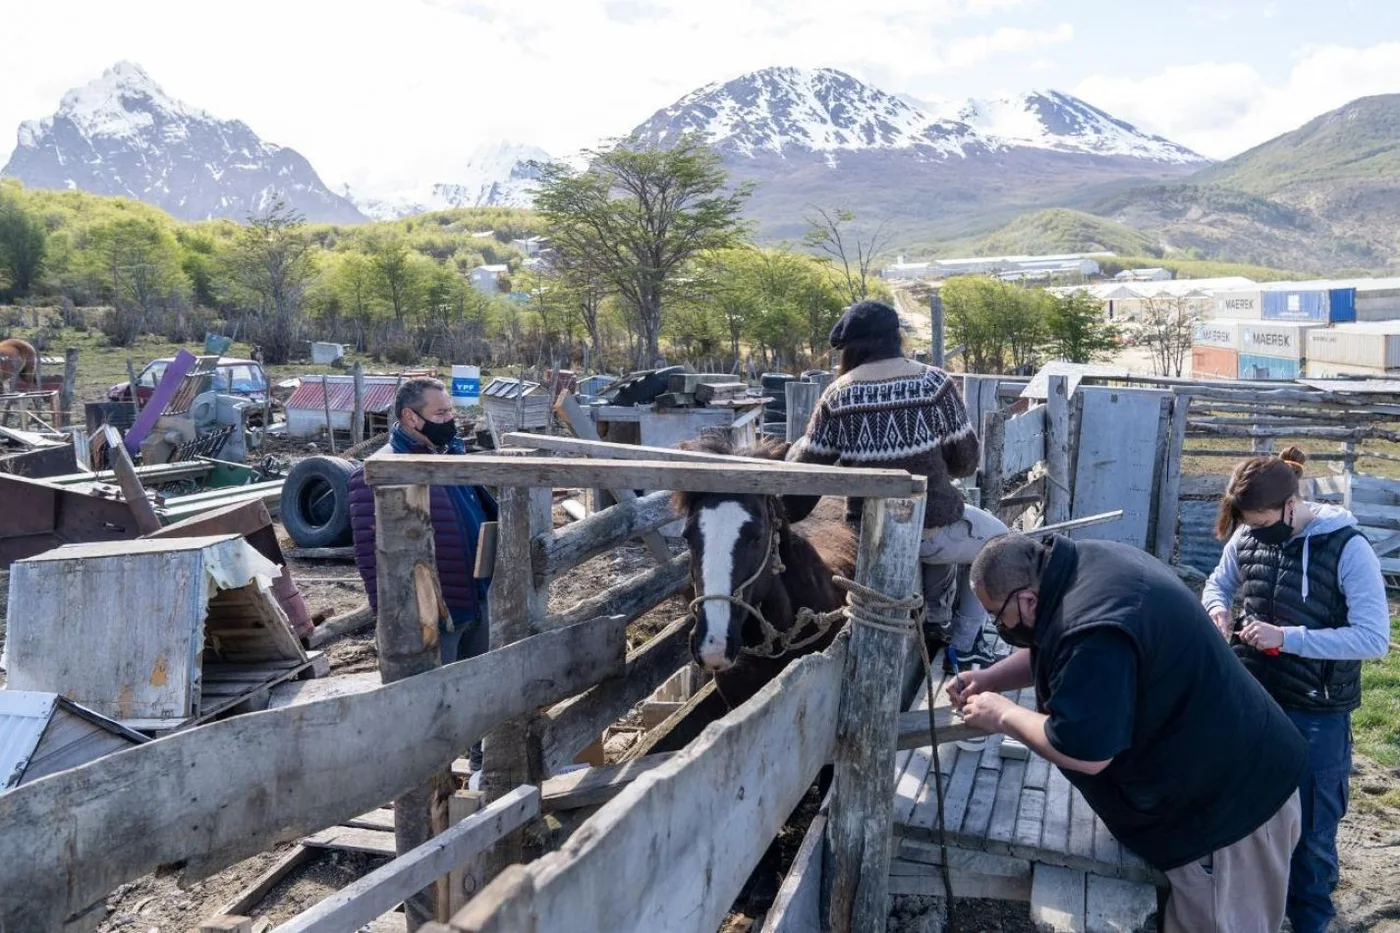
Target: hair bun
column 1295, row 458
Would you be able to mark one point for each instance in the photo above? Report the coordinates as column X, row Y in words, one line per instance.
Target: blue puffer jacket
column 454, row 537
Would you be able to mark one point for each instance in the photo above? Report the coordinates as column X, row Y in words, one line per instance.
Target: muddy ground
column 1369, row 896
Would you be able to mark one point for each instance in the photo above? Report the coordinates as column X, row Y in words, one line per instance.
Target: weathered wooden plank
column 632, row 598
column 607, row 449
column 912, row 766
column 381, row 819
column 463, row 881
column 1113, row 905
column 1030, row 821
column 1106, row 848
column 202, row 796
column 1055, row 835
column 1006, row 806
column 858, row 830
column 1057, row 899
column 1057, row 446
column 590, row 787
column 978, row 818
column 957, row 797
column 797, row 907
column 1024, row 441
column 913, row 728
column 673, row 849
column 992, row 477
column 1081, row 827
column 1037, row 773
column 250, row 896
column 1169, row 492
column 753, row 476
column 557, row 552
column 353, row 839
column 361, row 901
column 573, row 725
column 802, row 398
column 1117, row 461
column 966, row 883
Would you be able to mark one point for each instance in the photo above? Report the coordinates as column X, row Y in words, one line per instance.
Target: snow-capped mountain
column 797, row 111
column 122, row 135
column 807, row 137
column 499, row 174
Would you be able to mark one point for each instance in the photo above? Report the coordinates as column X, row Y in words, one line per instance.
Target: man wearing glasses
column 1142, row 706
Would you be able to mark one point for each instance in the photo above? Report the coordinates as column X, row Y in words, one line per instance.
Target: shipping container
column 1277, row 369
column 1296, row 305
column 1214, row 363
column 1322, row 369
column 1240, row 305
column 1282, row 339
column 1377, row 304
column 1222, row 334
column 1371, row 345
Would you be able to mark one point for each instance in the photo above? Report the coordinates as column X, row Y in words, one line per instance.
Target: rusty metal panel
column 40, row 516
column 1197, row 545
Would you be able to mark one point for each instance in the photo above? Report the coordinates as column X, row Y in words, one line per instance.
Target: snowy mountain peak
column 782, row 111
column 121, row 134
column 500, row 174
column 1049, row 119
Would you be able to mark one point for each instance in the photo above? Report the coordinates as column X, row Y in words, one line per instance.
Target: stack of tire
column 315, row 506
column 774, row 385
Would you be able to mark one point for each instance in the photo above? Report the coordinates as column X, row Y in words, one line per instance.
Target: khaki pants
column 1241, row 888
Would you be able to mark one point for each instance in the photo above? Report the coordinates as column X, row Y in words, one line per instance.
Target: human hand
column 987, row 711
column 1221, row 617
column 1262, row 636
column 965, row 685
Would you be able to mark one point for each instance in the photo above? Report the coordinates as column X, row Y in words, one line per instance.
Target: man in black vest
column 1144, row 709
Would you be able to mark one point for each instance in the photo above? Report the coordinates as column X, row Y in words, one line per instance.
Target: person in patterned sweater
column 887, row 411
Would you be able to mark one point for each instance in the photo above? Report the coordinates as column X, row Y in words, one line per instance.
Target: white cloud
column 972, row 50
column 1223, row 108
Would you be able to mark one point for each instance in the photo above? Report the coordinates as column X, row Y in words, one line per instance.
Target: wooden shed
column 155, row 634
column 515, row 404
column 43, row 733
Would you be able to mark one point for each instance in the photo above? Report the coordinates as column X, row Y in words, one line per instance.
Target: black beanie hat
column 865, row 320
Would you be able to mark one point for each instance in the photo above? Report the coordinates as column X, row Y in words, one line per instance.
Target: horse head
column 734, row 543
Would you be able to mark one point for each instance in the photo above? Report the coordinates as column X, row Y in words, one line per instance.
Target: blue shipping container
column 1341, row 305
column 1296, row 306
column 1272, row 368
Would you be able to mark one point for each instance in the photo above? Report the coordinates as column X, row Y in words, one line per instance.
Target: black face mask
column 1275, row 535
column 439, row 433
column 1018, row 635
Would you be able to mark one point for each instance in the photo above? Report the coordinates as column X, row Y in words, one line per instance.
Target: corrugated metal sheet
column 595, row 384
column 1254, row 366
column 24, row 715
column 1223, row 334
column 503, row 387
column 1297, row 305
column 1197, row 546
column 1371, row 345
column 1341, row 305
column 1214, row 363
column 1275, row 338
column 1240, row 305
column 379, row 396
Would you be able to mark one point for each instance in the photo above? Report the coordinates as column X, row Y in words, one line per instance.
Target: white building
column 1005, row 267
column 487, row 279
column 530, row 246
column 1143, row 275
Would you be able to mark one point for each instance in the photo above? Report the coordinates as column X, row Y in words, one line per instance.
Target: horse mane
column 719, row 442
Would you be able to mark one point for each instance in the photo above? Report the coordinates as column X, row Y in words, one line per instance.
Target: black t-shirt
column 1093, row 692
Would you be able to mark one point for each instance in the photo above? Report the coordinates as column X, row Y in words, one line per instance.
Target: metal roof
column 505, row 387
column 379, row 395
column 24, row 715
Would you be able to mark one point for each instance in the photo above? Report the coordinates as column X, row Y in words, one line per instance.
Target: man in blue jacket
column 1143, row 708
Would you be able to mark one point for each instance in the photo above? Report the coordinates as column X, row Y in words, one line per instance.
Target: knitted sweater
column 896, row 414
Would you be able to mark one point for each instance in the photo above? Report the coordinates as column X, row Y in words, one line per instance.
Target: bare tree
column 272, row 261
column 1168, row 327
column 848, row 245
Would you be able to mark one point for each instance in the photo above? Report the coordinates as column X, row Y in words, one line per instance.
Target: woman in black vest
column 1313, row 607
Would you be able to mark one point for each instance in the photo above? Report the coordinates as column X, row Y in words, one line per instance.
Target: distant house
column 535, row 264
column 1010, row 268
column 1143, row 275
column 487, row 279
column 530, row 246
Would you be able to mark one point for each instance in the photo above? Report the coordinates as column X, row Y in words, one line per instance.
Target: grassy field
column 1376, row 726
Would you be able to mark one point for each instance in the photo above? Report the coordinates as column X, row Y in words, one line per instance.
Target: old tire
column 316, row 502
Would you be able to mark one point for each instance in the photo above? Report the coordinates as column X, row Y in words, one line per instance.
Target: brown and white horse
column 19, row 363
column 748, row 565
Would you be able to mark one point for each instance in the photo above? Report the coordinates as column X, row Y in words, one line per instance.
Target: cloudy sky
column 392, row 94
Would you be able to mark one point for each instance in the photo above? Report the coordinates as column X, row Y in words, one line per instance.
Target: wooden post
column 410, row 606
column 70, row 379
column 802, row 400
column 1168, row 499
column 516, row 608
column 357, row 416
column 463, row 882
column 993, row 480
column 326, row 405
column 936, row 351
column 1058, row 500
column 858, row 831
column 131, row 384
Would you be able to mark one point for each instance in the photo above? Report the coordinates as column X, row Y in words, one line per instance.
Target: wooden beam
column 858, row 830
column 913, row 728
column 578, row 447
column 553, row 553
column 250, row 896
column 135, row 494
column 797, row 907
column 410, row 610
column 673, row 850
column 573, row 414
column 362, row 901
column 589, row 787
column 750, row 476
column 202, row 796
column 1169, row 492
column 631, row 598
column 573, row 725
column 1057, row 444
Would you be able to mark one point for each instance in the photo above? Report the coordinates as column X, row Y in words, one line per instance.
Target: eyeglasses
column 1014, row 593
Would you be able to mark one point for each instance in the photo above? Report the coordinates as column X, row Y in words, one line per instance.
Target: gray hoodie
column 1367, row 633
